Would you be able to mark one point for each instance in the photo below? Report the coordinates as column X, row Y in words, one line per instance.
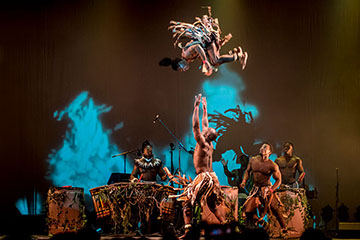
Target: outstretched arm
column 205, row 121
column 226, row 170
column 196, row 122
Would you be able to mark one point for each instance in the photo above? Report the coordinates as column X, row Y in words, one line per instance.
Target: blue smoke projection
column 84, row 159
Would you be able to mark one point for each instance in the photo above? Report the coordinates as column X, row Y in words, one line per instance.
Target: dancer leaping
column 204, row 42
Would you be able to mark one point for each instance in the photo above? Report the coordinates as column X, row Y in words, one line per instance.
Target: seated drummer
column 289, row 164
column 147, row 167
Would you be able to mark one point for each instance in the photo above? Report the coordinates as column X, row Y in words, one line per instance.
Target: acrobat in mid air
column 203, row 41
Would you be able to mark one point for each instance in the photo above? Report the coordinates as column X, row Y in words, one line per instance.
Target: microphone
column 156, row 118
column 172, row 146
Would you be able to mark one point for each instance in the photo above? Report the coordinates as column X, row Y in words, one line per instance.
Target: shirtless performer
column 146, row 170
column 204, row 44
column 147, row 167
column 205, row 187
column 289, row 164
column 261, row 196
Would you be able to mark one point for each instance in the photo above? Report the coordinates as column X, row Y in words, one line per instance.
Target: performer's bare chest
column 263, row 168
column 291, row 164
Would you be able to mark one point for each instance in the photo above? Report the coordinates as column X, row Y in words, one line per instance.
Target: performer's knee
column 187, row 209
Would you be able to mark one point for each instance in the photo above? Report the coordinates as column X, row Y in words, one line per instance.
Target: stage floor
column 119, row 236
column 109, row 237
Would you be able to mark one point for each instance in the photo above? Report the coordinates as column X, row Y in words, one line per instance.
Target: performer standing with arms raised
column 205, row 187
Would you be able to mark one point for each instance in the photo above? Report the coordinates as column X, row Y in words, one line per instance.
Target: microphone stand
column 180, row 145
column 172, row 148
column 124, row 154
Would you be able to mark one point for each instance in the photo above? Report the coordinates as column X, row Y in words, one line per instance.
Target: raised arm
column 205, row 121
column 196, row 122
column 226, row 170
column 277, row 177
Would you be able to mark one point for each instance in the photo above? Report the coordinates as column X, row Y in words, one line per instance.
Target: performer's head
column 266, row 149
column 146, row 149
column 288, row 149
column 180, row 65
column 210, row 134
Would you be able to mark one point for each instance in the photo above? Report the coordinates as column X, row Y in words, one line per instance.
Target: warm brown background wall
column 303, row 76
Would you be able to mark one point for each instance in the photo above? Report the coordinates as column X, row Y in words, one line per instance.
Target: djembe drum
column 295, row 210
column 66, row 210
column 100, row 201
column 229, row 206
column 130, row 203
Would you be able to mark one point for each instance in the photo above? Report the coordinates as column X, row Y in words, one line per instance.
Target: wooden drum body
column 66, row 210
column 295, row 212
column 130, row 203
column 229, row 206
column 100, row 201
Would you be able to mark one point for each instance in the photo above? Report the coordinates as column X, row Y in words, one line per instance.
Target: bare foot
column 243, row 60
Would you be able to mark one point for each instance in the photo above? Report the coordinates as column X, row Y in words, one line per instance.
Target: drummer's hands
column 242, row 185
column 134, row 180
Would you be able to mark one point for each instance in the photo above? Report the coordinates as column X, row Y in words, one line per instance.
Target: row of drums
column 123, row 205
column 138, row 202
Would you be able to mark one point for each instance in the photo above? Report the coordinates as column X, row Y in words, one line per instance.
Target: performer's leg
column 216, row 59
column 249, row 210
column 194, row 51
column 187, row 212
column 218, row 211
column 277, row 213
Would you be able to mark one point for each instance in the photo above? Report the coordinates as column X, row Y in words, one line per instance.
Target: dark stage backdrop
column 80, row 81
